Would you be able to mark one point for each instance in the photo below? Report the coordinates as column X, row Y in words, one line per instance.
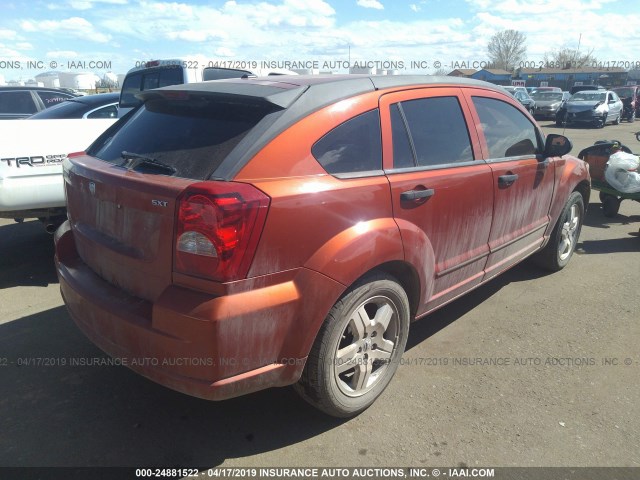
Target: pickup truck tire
column 557, row 253
column 358, row 347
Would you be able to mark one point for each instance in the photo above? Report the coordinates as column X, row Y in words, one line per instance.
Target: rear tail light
column 218, row 228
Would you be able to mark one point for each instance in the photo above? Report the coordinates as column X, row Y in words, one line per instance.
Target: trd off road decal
column 35, row 161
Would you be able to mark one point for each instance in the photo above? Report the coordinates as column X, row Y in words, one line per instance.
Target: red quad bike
column 597, row 157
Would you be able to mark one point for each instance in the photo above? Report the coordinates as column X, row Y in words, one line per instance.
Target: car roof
column 321, row 90
column 295, row 97
column 97, row 99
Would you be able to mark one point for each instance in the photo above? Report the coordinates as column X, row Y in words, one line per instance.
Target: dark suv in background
column 21, row 102
column 630, row 97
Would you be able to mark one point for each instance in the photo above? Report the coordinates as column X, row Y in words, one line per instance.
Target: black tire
column 333, row 383
column 617, row 120
column 603, row 121
column 610, row 205
column 602, row 196
column 564, row 238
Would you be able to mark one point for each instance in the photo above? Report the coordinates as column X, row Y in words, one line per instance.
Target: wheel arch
column 406, row 276
column 584, row 189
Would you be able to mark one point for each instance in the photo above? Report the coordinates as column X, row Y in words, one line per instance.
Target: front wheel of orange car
column 358, row 348
column 564, row 237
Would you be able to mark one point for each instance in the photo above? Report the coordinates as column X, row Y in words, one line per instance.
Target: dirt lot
column 529, row 370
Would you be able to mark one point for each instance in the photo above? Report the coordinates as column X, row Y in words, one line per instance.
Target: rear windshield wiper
column 134, row 160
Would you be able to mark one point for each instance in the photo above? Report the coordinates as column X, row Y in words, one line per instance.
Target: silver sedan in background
column 548, row 102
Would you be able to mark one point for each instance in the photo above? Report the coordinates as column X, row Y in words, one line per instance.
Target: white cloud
column 80, row 5
column 311, row 29
column 224, row 52
column 370, row 4
column 75, row 26
column 6, row 34
column 539, row 7
column 9, row 53
column 62, row 54
column 83, row 4
column 233, row 25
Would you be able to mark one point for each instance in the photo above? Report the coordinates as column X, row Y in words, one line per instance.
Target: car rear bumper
column 209, row 346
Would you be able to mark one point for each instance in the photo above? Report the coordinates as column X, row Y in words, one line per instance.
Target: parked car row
column 583, row 105
column 22, row 102
column 40, row 102
column 32, row 152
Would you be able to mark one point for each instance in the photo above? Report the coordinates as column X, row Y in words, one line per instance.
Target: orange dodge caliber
column 235, row 235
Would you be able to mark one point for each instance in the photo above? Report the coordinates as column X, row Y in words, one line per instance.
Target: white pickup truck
column 31, row 156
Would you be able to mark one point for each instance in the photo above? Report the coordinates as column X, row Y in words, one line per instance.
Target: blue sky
column 115, row 34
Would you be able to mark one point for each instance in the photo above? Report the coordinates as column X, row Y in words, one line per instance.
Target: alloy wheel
column 366, row 346
column 569, row 233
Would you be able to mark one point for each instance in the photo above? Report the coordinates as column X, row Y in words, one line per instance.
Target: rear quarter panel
column 571, row 174
column 341, row 227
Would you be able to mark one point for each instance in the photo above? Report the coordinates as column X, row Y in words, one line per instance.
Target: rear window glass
column 352, row 147
column 192, row 136
column 147, row 80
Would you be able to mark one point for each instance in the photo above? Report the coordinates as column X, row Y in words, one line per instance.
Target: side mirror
column 556, row 145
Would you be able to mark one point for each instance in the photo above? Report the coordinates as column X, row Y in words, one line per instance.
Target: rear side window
column 17, row 102
column 354, row 146
column 110, row 111
column 192, row 136
column 438, row 130
column 508, row 132
column 147, row 80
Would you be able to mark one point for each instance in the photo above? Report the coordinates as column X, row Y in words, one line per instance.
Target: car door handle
column 412, row 195
column 507, row 180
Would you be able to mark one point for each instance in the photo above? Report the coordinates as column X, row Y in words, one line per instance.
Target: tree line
column 507, row 49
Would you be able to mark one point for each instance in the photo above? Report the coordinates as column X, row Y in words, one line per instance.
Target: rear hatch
column 145, row 184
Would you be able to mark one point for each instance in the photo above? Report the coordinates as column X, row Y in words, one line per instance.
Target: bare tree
column 507, row 49
column 569, row 58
